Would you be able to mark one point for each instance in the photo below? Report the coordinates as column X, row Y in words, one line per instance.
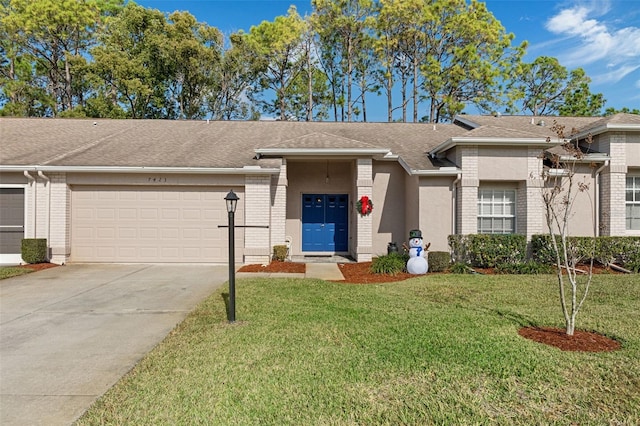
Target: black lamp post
column 232, row 202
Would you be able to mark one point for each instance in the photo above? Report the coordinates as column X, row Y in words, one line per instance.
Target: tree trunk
column 309, row 84
column 67, row 82
column 415, row 89
column 349, row 79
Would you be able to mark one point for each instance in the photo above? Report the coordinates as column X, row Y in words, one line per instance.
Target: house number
column 157, row 179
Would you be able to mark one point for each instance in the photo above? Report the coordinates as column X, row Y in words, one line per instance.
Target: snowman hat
column 415, row 233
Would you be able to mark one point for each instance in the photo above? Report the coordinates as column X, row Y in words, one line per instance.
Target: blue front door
column 324, row 222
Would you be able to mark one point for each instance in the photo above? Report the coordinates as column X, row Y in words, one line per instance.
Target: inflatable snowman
column 417, row 263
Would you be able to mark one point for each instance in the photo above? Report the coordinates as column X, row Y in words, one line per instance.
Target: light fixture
column 232, row 201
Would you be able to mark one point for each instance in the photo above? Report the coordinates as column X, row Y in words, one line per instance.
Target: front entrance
column 324, row 222
column 11, row 224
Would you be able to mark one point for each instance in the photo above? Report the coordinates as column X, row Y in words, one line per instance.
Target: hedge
column 34, row 250
column 488, row 250
column 605, row 250
column 439, row 261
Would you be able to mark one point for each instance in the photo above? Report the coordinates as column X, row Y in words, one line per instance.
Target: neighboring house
column 153, row 190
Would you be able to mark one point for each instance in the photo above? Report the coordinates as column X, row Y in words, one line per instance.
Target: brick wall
column 364, row 184
column 60, row 232
column 467, row 212
column 257, row 212
column 612, row 187
column 279, row 205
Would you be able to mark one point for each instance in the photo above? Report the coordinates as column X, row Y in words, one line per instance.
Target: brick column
column 278, row 223
column 60, row 218
column 257, row 206
column 467, row 203
column 532, row 217
column 364, row 232
column 612, row 188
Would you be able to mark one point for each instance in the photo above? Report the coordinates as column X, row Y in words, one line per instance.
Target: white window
column 633, row 203
column 496, row 211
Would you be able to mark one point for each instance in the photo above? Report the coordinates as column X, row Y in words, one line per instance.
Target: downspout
column 32, row 182
column 454, row 196
column 597, row 198
column 48, row 209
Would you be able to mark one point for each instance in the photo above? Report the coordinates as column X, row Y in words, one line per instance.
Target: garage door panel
column 140, row 224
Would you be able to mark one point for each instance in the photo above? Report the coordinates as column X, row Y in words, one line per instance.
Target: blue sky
column 601, row 36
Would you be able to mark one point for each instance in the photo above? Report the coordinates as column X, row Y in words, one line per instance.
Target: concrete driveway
column 67, row 334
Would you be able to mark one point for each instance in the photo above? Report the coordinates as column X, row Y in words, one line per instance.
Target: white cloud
column 614, row 74
column 595, row 40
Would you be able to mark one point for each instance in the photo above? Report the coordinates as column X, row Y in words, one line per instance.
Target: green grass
column 12, row 271
column 439, row 349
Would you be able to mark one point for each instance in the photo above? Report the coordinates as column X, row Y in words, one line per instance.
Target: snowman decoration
column 417, row 263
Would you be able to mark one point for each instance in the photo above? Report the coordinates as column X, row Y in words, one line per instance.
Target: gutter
column 34, row 184
column 321, row 151
column 596, row 157
column 609, row 127
column 442, row 171
column 246, row 170
column 48, row 209
column 487, row 141
column 454, row 196
column 597, row 198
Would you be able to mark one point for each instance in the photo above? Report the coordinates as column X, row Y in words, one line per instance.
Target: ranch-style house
column 148, row 191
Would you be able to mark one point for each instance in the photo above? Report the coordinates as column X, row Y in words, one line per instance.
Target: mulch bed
column 38, row 266
column 581, row 341
column 275, row 266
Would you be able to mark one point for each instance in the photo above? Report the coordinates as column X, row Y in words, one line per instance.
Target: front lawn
column 436, row 349
column 13, row 271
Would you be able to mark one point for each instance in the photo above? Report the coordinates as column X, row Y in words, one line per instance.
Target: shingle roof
column 223, row 144
column 233, row 144
column 536, row 126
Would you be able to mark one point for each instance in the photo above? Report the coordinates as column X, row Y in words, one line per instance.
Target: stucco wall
column 436, row 211
column 633, row 150
column 581, row 218
column 503, row 163
column 412, row 205
column 389, row 205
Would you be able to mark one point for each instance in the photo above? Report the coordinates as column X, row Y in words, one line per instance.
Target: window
column 496, row 211
column 633, row 203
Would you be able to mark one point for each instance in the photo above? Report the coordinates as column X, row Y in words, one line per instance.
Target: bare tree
column 559, row 195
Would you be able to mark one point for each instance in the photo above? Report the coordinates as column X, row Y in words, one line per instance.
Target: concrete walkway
column 68, row 334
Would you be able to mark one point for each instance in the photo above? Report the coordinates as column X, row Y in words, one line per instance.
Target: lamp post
column 232, row 202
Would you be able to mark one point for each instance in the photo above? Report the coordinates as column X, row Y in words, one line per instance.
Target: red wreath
column 364, row 206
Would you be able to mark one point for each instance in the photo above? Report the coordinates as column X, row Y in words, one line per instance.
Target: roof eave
column 488, row 141
column 587, row 158
column 314, row 152
column 125, row 169
column 442, row 171
column 609, row 127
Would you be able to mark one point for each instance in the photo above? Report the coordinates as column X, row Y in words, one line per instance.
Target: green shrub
column 34, row 250
column 460, row 268
column 604, row 249
column 488, row 250
column 279, row 253
column 438, row 260
column 529, row 267
column 633, row 266
column 458, row 246
column 389, row 264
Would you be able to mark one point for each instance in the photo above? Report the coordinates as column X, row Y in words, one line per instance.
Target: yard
column 435, row 349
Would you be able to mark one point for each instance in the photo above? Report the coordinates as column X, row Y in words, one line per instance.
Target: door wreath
column 364, row 206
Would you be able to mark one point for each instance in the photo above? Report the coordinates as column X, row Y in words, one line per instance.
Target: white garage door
column 141, row 224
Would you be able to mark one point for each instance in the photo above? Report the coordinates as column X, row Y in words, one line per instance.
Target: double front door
column 324, row 222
